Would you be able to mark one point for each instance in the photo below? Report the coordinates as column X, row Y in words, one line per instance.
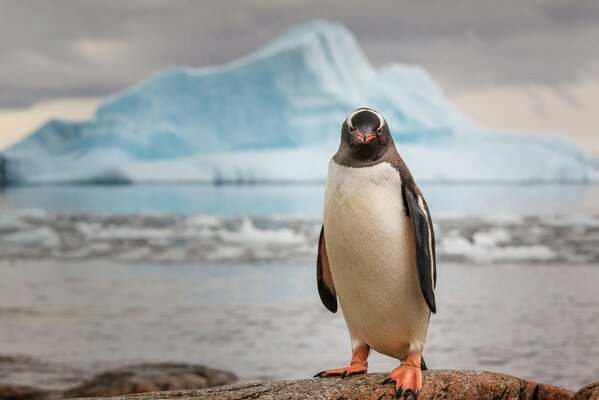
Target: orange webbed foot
column 343, row 372
column 407, row 378
column 358, row 365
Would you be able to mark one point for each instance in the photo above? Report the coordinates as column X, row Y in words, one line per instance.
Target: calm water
column 266, row 321
column 302, row 200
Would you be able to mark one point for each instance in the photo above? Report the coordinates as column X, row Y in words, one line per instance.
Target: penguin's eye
column 351, row 129
column 379, row 131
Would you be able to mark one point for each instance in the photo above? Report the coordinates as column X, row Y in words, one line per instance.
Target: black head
column 366, row 134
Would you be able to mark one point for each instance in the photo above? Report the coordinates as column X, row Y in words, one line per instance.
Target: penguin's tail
column 423, row 366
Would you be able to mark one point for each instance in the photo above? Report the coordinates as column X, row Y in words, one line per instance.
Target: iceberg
column 276, row 115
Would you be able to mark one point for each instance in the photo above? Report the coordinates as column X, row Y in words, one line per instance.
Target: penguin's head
column 366, row 133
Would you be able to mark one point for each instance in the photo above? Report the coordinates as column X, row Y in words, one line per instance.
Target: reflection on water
column 303, row 200
column 266, row 321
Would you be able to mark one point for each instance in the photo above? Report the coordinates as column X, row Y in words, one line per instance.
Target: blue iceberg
column 275, row 115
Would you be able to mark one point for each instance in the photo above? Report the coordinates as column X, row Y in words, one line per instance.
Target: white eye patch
column 350, row 116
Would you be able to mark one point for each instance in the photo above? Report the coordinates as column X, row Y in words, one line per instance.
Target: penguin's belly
column 370, row 248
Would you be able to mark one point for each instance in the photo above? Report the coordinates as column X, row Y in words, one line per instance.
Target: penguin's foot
column 358, row 365
column 343, row 372
column 407, row 377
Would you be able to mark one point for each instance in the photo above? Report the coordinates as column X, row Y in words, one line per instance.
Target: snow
column 275, row 115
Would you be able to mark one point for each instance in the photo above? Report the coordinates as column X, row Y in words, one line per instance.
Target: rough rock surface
column 439, row 384
column 150, row 378
column 589, row 392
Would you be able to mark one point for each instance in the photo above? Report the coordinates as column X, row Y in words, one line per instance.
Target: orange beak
column 369, row 138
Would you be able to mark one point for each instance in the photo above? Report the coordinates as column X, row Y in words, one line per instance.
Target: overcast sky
column 528, row 65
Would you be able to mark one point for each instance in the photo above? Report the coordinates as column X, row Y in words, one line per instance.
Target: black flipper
column 423, row 366
column 424, row 237
column 326, row 288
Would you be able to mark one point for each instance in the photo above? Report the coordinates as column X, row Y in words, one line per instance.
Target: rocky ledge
column 437, row 385
column 150, row 378
column 128, row 380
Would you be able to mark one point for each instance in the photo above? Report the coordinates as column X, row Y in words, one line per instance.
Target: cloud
column 100, row 51
column 536, row 108
column 92, row 48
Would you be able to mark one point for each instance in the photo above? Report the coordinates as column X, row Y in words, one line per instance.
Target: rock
column 439, row 384
column 150, row 378
column 14, row 392
column 589, row 392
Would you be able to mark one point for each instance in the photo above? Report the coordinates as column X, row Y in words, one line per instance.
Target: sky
column 514, row 65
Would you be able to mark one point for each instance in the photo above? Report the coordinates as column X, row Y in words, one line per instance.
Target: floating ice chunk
column 248, row 233
column 42, row 236
column 11, row 222
column 166, row 238
column 204, row 220
column 491, row 238
column 534, row 253
column 484, row 248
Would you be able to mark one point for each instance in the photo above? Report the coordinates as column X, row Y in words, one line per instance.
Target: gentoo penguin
column 376, row 252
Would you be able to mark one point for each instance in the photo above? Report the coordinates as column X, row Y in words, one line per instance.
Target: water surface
column 80, row 293
column 300, row 200
column 266, row 321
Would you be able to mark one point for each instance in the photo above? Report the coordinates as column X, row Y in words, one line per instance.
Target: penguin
column 376, row 252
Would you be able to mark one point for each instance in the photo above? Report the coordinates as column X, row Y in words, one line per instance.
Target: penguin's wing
column 326, row 288
column 424, row 236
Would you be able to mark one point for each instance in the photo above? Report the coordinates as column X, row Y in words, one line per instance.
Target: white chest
column 363, row 210
column 370, row 248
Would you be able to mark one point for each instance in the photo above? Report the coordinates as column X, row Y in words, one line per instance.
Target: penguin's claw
column 408, row 381
column 342, row 372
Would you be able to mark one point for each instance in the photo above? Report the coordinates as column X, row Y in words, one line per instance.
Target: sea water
column 65, row 315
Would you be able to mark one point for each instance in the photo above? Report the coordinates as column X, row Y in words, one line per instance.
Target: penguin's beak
column 370, row 137
column 365, row 138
